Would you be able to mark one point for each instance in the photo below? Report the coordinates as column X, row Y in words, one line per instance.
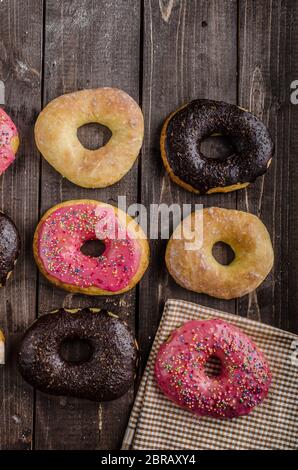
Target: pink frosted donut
column 9, row 141
column 242, row 383
column 65, row 228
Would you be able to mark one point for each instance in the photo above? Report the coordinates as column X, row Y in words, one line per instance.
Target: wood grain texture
column 20, row 69
column 166, row 52
column 267, row 38
column 190, row 51
column 88, row 44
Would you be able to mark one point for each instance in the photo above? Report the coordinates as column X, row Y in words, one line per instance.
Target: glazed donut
column 107, row 374
column 56, row 135
column 65, row 228
column 9, row 141
column 2, row 348
column 184, row 131
column 194, row 267
column 242, row 383
column 9, row 247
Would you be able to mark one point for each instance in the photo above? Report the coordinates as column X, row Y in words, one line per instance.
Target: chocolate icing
column 106, row 375
column 201, row 118
column 9, row 247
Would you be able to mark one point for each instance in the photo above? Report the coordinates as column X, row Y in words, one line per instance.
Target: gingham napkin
column 157, row 423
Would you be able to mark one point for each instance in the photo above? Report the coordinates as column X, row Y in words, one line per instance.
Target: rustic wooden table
column 163, row 53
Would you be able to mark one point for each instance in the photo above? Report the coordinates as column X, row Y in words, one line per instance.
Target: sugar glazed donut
column 9, row 141
column 190, row 261
column 242, row 383
column 2, row 348
column 56, row 135
column 107, row 374
column 65, row 228
column 10, row 244
column 184, row 131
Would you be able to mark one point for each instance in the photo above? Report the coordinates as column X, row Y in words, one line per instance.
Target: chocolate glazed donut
column 184, row 131
column 105, row 375
column 9, row 247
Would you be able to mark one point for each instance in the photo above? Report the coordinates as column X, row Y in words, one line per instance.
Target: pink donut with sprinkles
column 66, row 227
column 9, row 141
column 243, row 381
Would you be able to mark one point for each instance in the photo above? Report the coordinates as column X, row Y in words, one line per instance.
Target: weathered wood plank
column 190, row 51
column 20, row 69
column 87, row 44
column 267, row 40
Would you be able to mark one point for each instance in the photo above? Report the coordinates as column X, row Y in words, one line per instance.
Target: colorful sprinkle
column 7, row 132
column 62, row 235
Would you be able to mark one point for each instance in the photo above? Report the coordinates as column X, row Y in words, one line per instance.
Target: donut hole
column 75, row 350
column 93, row 248
column 213, row 367
column 223, row 253
column 217, row 147
column 93, row 135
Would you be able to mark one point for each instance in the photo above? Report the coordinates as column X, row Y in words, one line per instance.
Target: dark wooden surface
column 163, row 53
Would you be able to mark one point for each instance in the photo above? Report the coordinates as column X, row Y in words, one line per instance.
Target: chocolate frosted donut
column 105, row 375
column 184, row 131
column 9, row 247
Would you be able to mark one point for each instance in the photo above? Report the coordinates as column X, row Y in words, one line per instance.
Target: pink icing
column 244, row 379
column 62, row 235
column 7, row 131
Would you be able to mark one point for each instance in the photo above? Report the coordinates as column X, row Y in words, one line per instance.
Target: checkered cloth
column 158, row 424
